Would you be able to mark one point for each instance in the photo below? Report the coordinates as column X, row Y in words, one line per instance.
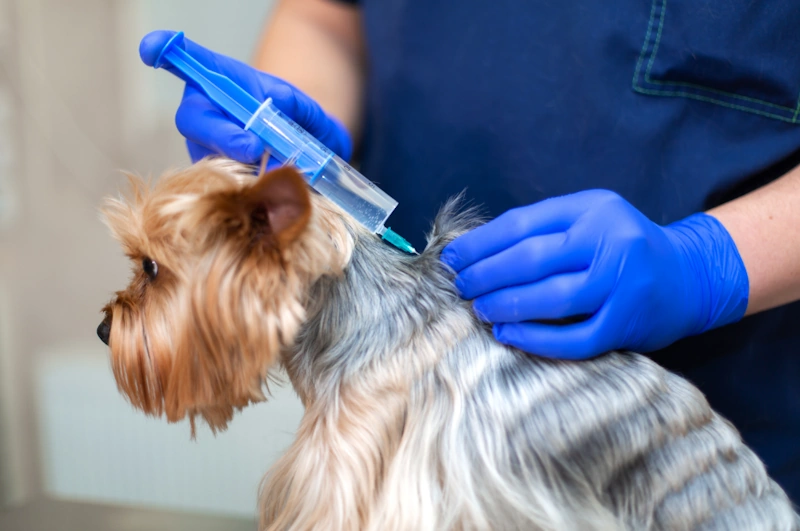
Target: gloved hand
column 642, row 286
column 208, row 130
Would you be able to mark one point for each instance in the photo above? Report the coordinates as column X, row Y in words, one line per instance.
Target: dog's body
column 415, row 417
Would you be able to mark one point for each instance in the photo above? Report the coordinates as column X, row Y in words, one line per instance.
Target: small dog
column 415, row 418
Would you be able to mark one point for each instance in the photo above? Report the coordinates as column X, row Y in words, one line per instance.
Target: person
column 638, row 158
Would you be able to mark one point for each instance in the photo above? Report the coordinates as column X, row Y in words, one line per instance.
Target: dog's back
column 437, row 426
column 613, row 443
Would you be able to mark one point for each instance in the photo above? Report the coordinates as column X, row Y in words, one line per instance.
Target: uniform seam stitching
column 672, row 88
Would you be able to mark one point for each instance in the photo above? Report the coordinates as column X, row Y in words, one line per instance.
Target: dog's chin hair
column 138, row 378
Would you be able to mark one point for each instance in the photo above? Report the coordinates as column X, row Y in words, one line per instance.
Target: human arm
column 642, row 286
column 765, row 225
column 318, row 46
column 210, row 131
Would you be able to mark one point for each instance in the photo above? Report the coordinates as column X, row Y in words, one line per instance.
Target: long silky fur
column 415, row 417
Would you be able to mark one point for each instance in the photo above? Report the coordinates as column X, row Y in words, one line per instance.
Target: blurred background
column 76, row 108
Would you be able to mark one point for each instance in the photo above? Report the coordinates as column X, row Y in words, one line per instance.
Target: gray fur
column 495, row 438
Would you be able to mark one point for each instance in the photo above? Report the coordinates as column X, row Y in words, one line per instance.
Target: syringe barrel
column 325, row 171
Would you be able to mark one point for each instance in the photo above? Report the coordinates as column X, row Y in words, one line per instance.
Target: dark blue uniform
column 677, row 105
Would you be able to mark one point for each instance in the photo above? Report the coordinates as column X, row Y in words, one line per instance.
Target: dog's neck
column 381, row 303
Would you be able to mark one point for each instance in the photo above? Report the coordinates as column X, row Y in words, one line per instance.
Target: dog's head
column 221, row 262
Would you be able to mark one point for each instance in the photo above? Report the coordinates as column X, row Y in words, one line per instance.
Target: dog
column 415, row 417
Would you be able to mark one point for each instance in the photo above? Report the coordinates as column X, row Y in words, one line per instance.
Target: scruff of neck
column 381, row 292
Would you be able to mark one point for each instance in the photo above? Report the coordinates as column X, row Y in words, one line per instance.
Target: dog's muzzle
column 104, row 330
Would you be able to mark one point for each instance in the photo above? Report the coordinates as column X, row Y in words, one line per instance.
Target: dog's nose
column 103, row 331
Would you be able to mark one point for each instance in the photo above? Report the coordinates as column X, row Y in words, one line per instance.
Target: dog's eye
column 150, row 268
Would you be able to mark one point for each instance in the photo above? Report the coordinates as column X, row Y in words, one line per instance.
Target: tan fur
column 184, row 348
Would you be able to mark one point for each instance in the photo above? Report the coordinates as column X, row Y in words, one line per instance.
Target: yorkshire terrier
column 415, row 417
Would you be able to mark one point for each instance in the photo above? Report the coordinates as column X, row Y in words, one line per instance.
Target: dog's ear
column 279, row 205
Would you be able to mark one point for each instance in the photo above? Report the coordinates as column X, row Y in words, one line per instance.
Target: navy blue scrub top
column 676, row 105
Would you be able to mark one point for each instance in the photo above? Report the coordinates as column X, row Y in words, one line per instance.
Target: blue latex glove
column 209, row 131
column 642, row 286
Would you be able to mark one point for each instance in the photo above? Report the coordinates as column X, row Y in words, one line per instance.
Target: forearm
column 765, row 225
column 317, row 45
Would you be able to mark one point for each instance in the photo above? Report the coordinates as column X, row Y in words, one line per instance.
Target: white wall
column 95, row 447
column 6, row 151
column 151, row 97
column 84, row 107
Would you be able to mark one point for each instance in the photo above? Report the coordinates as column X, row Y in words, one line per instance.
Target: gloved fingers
column 198, row 152
column 332, row 134
column 151, row 45
column 573, row 341
column 311, row 117
column 526, row 262
column 293, row 102
column 556, row 297
column 273, row 163
column 201, row 122
column 545, row 217
column 240, row 73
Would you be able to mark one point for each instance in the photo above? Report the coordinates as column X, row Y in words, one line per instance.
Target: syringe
column 289, row 143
